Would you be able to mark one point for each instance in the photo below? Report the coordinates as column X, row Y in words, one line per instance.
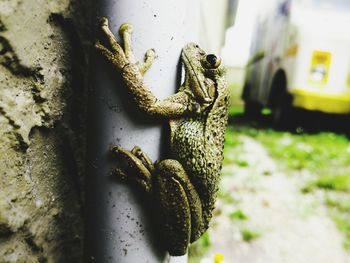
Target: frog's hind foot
column 133, row 169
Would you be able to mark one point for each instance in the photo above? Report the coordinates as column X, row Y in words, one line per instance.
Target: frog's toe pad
column 103, row 21
column 125, row 28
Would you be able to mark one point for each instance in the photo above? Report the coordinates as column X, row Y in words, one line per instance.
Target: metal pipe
column 119, row 225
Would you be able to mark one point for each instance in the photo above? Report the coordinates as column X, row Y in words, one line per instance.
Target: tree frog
column 184, row 185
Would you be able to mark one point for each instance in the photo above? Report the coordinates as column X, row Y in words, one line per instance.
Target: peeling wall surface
column 43, row 64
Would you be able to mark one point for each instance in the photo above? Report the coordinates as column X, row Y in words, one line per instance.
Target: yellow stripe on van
column 329, row 103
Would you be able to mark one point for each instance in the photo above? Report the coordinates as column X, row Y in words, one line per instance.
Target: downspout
column 119, row 226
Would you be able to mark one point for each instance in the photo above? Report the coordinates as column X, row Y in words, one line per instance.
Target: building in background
column 238, row 38
column 216, row 17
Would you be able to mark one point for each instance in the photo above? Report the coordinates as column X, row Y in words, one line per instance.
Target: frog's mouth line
column 204, row 96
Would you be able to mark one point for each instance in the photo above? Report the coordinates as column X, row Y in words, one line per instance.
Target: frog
column 185, row 185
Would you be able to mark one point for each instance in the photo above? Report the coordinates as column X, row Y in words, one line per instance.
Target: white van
column 300, row 58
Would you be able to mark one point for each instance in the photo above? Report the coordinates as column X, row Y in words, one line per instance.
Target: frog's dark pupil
column 211, row 59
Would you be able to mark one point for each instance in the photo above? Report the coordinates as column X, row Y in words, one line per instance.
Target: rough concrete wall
column 43, row 62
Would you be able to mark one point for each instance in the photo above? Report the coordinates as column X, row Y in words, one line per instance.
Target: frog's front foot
column 116, row 54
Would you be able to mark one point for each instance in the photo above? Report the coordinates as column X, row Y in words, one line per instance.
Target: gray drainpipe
column 120, row 225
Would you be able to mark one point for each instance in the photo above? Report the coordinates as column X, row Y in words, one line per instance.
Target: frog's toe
column 144, row 183
column 125, row 31
column 103, row 21
column 132, row 163
column 151, row 53
column 148, row 61
column 139, row 153
column 126, row 28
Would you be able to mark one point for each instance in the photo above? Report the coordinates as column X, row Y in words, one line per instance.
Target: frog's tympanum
column 185, row 185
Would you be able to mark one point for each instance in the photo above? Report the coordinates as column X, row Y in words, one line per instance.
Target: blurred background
column 285, row 190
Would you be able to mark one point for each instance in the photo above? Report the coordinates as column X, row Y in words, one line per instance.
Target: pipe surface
column 120, row 223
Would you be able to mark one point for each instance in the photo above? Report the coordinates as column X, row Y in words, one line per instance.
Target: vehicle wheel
column 252, row 110
column 283, row 113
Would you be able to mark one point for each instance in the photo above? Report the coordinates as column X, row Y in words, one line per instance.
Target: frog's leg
column 136, row 169
column 177, row 105
column 180, row 205
column 178, row 199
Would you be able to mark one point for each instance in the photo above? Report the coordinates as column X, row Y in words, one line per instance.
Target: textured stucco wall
column 43, row 65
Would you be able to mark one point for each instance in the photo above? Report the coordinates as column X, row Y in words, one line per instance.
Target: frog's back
column 197, row 143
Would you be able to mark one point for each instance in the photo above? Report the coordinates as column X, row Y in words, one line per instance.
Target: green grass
column 232, row 142
column 343, row 224
column 235, row 98
column 339, row 204
column 234, row 110
column 227, row 198
column 325, row 154
column 242, row 163
column 340, row 212
column 199, row 248
column 320, row 152
column 238, row 215
column 334, row 183
column 249, row 235
column 266, row 111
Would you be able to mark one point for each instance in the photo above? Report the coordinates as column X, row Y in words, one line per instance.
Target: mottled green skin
column 185, row 186
column 197, row 143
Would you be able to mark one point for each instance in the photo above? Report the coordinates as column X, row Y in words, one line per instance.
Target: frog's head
column 202, row 72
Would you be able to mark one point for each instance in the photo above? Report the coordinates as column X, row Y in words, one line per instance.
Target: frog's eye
column 211, row 61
